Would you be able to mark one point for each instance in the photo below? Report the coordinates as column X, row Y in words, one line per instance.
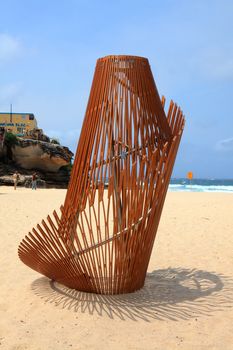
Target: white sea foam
column 200, row 188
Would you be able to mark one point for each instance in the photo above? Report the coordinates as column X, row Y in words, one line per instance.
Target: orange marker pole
column 190, row 176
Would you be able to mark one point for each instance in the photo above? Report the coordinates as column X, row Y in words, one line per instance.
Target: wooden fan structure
column 103, row 238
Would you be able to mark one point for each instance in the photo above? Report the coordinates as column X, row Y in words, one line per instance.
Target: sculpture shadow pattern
column 168, row 294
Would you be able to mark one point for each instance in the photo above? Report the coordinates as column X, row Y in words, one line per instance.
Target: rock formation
column 40, row 155
column 26, row 155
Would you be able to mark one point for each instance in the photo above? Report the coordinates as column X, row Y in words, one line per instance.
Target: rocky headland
column 49, row 159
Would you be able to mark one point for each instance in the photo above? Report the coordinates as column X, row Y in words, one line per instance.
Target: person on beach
column 15, row 179
column 34, row 181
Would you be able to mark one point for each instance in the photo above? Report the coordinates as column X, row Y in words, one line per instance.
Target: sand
column 186, row 302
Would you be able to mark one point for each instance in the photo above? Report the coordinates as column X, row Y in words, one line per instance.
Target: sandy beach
column 186, row 303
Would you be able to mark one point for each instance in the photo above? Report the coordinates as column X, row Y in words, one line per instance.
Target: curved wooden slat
column 103, row 238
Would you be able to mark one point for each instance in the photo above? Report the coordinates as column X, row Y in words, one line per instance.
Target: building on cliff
column 18, row 123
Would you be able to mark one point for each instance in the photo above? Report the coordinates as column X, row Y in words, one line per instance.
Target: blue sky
column 48, row 51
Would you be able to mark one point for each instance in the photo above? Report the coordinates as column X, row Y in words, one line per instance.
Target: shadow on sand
column 168, row 294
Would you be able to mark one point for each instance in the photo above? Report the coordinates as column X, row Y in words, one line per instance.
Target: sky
column 48, row 51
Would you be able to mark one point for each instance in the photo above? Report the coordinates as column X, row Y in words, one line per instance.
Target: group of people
column 16, row 178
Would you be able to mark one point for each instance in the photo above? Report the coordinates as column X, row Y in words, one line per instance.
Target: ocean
column 201, row 185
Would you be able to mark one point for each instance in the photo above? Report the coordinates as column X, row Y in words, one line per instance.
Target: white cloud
column 225, row 145
column 10, row 47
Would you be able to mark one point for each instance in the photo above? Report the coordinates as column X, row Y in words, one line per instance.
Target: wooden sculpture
column 103, row 239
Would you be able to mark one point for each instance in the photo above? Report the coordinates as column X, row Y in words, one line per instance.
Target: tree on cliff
column 9, row 141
